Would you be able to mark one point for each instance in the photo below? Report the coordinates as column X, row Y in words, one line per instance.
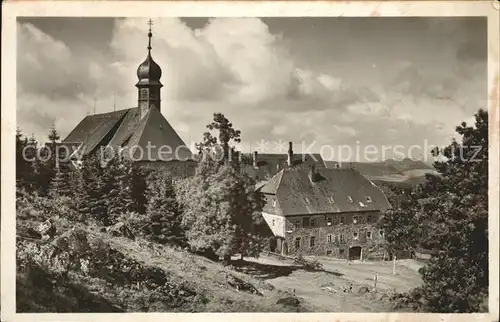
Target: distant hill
column 392, row 171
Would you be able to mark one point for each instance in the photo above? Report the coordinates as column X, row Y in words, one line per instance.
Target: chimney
column 312, row 173
column 290, row 154
column 255, row 159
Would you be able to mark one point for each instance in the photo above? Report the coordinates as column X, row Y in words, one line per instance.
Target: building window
column 307, row 200
column 329, row 238
column 381, row 233
column 312, row 240
column 369, row 218
column 331, row 200
column 296, row 223
column 362, row 205
column 313, row 222
column 342, row 220
column 273, row 222
column 355, row 219
column 341, row 238
column 305, row 222
column 369, row 234
column 256, row 178
column 349, row 198
column 329, row 221
column 328, row 252
column 355, row 235
column 368, row 199
column 274, row 202
column 297, row 242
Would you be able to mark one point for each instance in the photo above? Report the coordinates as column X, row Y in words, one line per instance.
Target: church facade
column 141, row 133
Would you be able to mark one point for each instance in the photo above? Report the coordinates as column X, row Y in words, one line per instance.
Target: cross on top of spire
column 150, row 23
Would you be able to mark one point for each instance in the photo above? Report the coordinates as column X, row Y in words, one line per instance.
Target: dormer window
column 331, row 200
column 349, row 198
column 368, row 199
column 307, row 200
column 362, row 205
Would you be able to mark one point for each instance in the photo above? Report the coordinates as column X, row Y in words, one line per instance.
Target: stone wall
column 342, row 235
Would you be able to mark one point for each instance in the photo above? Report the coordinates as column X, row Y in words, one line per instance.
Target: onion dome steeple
column 149, row 85
column 149, row 72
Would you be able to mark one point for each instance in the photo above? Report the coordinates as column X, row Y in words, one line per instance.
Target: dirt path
column 326, row 290
column 405, row 278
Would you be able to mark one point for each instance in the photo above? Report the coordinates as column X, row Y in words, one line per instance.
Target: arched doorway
column 355, row 252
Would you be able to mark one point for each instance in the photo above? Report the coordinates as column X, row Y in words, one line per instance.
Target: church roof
column 123, row 129
column 93, row 128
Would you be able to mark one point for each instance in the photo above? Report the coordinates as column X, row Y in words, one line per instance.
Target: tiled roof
column 331, row 192
column 93, row 128
column 157, row 132
column 124, row 129
column 270, row 164
column 272, row 184
column 127, row 128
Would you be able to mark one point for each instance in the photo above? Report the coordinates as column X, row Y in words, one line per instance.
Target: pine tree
column 92, row 190
column 37, row 173
column 118, row 188
column 456, row 203
column 164, row 211
column 450, row 217
column 23, row 166
column 138, row 186
column 53, row 162
column 59, row 186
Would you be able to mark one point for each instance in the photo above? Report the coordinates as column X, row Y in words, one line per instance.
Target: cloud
column 237, row 66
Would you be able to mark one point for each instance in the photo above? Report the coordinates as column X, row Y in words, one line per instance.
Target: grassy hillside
column 80, row 267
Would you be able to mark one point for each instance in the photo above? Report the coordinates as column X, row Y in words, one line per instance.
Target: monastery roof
column 332, row 191
column 269, row 164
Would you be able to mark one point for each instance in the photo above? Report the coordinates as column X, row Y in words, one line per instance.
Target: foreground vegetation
column 71, row 267
column 448, row 216
column 112, row 238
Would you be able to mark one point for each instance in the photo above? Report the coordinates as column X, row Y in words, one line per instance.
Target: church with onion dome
column 141, row 133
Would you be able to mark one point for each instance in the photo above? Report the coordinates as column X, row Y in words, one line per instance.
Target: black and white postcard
column 327, row 160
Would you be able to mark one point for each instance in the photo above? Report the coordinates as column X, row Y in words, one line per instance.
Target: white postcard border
column 152, row 9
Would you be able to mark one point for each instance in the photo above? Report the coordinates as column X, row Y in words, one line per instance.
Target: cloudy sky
column 322, row 81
